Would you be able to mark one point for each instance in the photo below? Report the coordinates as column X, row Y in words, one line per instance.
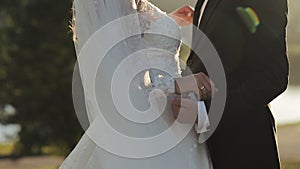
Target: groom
column 250, row 38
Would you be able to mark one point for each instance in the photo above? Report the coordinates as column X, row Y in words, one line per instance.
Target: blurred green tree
column 36, row 65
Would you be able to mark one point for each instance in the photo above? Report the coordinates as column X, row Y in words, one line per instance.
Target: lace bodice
column 152, row 19
column 163, row 33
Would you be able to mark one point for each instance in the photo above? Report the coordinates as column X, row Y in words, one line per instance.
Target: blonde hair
column 72, row 24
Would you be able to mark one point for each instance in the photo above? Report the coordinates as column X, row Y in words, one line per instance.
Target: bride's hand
column 185, row 110
column 183, row 16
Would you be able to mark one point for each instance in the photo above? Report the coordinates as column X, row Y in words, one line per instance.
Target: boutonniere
column 249, row 17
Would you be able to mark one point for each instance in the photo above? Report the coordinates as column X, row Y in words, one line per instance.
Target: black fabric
column 256, row 69
column 197, row 12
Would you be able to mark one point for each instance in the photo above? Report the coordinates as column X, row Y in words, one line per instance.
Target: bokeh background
column 38, row 125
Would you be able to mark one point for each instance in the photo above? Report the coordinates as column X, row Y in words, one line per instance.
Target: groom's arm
column 266, row 58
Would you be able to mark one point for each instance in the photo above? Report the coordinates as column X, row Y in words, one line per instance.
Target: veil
column 88, row 17
column 91, row 15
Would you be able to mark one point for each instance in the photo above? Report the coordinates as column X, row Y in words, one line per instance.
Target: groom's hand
column 183, row 16
column 198, row 83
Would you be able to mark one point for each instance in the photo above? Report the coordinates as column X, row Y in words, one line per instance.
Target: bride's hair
column 72, row 24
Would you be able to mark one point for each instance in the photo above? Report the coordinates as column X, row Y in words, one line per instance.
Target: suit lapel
column 209, row 10
column 197, row 12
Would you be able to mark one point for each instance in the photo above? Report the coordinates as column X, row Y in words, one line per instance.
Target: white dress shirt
column 202, row 11
column 203, row 121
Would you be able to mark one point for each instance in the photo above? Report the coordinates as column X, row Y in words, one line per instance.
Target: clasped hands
column 184, row 108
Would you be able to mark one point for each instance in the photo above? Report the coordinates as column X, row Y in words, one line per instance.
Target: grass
column 291, row 165
column 294, row 61
column 34, row 168
column 285, row 165
column 289, row 125
column 52, row 162
column 6, row 149
column 45, row 168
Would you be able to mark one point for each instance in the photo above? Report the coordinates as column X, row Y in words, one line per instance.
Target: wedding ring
column 202, row 88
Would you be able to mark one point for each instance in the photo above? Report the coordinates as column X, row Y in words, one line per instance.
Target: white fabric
column 188, row 154
column 203, row 121
column 202, row 11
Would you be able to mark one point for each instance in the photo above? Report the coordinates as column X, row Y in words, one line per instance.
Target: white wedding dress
column 149, row 84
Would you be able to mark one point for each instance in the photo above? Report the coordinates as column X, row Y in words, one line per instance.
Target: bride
column 139, row 68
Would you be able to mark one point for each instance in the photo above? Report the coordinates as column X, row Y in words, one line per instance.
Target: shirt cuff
column 203, row 121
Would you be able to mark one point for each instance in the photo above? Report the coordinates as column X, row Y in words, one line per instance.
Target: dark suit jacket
column 256, row 68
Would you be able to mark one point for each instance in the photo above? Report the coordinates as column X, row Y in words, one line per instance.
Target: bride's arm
column 183, row 16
